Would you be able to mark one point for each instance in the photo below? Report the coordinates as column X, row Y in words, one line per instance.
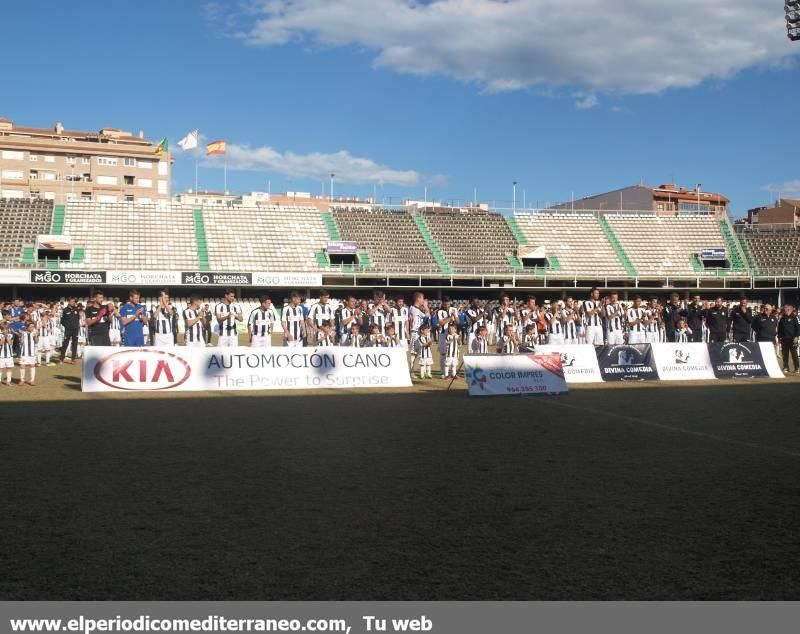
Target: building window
column 72, row 178
column 129, row 162
column 11, row 193
column 107, row 160
column 106, row 180
column 33, row 157
column 71, row 159
column 34, row 174
column 49, row 158
column 12, row 175
column 12, row 155
column 49, row 195
column 71, row 196
column 86, row 160
column 128, row 198
column 162, row 168
column 162, row 187
column 86, row 195
column 34, row 194
column 49, row 176
column 145, row 182
column 128, row 179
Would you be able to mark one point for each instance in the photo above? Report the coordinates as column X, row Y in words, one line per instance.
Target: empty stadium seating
column 21, row 220
column 273, row 238
column 577, row 241
column 472, row 242
column 124, row 236
column 774, row 252
column 391, row 238
column 663, row 247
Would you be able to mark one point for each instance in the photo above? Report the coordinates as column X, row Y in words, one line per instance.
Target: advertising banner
column 298, row 280
column 341, row 247
column 734, row 360
column 83, row 278
column 627, row 362
column 578, row 361
column 209, row 278
column 770, row 356
column 14, row 276
column 144, row 278
column 494, row 375
column 109, row 369
column 682, row 361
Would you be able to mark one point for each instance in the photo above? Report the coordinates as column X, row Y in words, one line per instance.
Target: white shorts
column 195, row 344
column 428, row 361
column 163, row 340
column 555, row 340
column 261, row 342
column 227, row 341
column 571, row 341
column 594, row 335
column 27, row 361
column 402, row 343
column 451, row 361
column 615, row 338
column 114, row 336
column 45, row 343
column 6, row 362
column 637, row 337
column 297, row 343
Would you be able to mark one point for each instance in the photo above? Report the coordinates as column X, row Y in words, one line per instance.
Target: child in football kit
column 6, row 352
column 451, row 351
column 391, row 340
column 480, row 344
column 325, row 336
column 425, row 352
column 531, row 338
column 28, row 345
column 683, row 334
column 508, row 343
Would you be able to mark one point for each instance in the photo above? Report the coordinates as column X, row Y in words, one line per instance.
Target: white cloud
column 789, row 188
column 585, row 102
column 623, row 46
column 317, row 165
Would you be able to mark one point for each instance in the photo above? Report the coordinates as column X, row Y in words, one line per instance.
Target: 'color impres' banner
column 627, row 362
column 494, row 375
column 108, row 369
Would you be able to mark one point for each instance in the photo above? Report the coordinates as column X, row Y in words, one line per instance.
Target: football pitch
column 628, row 491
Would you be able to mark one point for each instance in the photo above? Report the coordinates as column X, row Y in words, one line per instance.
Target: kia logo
column 141, row 369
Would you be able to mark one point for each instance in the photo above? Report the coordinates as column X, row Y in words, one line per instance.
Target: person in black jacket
column 788, row 334
column 765, row 324
column 71, row 321
column 673, row 313
column 717, row 321
column 695, row 312
column 741, row 321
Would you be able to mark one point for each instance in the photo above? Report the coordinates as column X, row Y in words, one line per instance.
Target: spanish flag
column 163, row 146
column 216, row 147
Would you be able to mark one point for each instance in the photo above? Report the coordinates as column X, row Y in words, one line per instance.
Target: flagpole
column 225, row 170
column 195, row 174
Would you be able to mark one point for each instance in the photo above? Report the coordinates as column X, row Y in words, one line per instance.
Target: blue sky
column 449, row 94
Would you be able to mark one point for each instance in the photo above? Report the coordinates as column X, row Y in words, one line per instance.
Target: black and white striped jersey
column 27, row 344
column 595, row 319
column 570, row 326
column 531, row 340
column 424, row 349
column 227, row 312
column 503, row 317
column 450, row 314
column 635, row 314
column 480, row 345
column 682, row 335
column 554, row 326
column 321, row 314
column 262, row 321
column 162, row 322
column 400, row 321
column 293, row 321
column 324, row 340
column 652, row 316
column 378, row 318
column 192, row 333
column 614, row 314
column 508, row 345
column 452, row 346
column 6, row 346
column 354, row 341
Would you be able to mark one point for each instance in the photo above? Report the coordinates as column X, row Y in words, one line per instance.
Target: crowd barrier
column 109, row 369
column 584, row 363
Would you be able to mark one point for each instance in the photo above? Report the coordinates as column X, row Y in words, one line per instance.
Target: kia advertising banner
column 682, row 361
column 494, row 375
column 627, row 362
column 578, row 361
column 109, row 369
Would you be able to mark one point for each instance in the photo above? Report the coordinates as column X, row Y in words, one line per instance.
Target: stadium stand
column 472, row 241
column 127, row 236
column 21, row 220
column 577, row 241
column 774, row 252
column 391, row 238
column 659, row 246
column 273, row 238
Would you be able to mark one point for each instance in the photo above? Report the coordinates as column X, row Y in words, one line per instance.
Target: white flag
column 189, row 142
